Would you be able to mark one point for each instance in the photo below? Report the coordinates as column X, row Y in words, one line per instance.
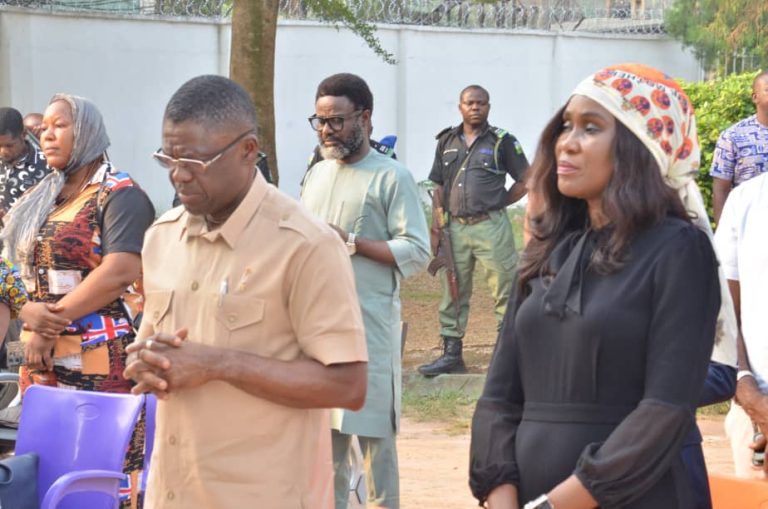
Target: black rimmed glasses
column 194, row 165
column 336, row 122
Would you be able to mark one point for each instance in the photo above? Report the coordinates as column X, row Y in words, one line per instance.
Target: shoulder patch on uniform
column 518, row 147
column 172, row 215
column 381, row 148
column 441, row 133
column 499, row 132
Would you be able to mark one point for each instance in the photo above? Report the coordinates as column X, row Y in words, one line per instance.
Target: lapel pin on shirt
column 244, row 279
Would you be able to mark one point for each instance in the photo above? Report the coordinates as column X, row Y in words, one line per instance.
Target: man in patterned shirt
column 742, row 149
column 21, row 164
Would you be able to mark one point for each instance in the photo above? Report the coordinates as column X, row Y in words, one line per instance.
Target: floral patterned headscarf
column 653, row 106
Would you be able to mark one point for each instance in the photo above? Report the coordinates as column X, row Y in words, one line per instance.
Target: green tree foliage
column 338, row 13
column 721, row 27
column 718, row 104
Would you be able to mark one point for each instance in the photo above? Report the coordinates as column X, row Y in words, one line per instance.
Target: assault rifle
column 443, row 251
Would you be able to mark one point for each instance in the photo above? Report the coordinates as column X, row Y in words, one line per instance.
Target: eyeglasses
column 336, row 123
column 193, row 165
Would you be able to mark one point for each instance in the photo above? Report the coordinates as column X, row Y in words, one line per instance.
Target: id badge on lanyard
column 61, row 282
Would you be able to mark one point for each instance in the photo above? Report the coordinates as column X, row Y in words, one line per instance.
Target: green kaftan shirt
column 375, row 198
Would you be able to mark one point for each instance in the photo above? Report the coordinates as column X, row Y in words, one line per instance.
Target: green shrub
column 718, row 104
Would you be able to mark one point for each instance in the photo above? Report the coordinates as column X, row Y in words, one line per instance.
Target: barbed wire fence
column 504, row 14
column 168, row 8
column 564, row 16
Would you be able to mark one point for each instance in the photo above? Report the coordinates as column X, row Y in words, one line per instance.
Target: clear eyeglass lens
column 163, row 160
column 191, row 165
column 170, row 163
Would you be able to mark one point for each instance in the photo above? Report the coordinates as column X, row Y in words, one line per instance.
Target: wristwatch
column 744, row 372
column 541, row 502
column 351, row 246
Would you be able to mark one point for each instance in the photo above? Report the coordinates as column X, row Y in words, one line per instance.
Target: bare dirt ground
column 433, row 458
column 420, row 296
column 434, row 464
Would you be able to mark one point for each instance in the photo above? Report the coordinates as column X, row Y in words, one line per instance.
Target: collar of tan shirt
column 233, row 227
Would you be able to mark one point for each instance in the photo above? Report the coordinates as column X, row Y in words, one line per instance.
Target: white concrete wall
column 130, row 67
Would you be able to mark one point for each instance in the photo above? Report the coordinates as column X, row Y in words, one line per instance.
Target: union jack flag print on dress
column 95, row 328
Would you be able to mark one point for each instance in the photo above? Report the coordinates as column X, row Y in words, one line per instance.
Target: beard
column 345, row 148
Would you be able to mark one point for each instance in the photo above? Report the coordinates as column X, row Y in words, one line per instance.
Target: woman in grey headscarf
column 76, row 238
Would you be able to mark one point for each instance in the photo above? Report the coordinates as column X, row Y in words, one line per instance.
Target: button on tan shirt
column 271, row 281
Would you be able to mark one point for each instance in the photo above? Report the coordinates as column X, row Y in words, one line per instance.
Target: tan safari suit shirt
column 271, row 281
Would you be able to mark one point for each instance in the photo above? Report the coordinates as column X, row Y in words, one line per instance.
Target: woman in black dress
column 605, row 346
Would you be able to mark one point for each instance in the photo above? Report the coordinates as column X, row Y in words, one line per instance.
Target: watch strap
column 742, row 373
column 351, row 243
column 540, row 502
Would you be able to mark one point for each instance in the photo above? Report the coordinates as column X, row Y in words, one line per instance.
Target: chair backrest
column 149, row 440
column 730, row 492
column 76, row 430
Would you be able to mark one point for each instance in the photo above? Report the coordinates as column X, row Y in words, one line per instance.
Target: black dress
column 599, row 375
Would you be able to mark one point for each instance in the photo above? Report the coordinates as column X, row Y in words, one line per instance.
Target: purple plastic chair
column 149, row 440
column 81, row 438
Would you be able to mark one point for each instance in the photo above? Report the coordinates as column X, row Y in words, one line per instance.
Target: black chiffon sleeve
column 497, row 416
column 643, row 447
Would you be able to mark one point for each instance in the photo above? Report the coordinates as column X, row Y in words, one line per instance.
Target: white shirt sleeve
column 727, row 236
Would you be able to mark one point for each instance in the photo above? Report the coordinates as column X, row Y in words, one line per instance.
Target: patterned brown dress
column 90, row 354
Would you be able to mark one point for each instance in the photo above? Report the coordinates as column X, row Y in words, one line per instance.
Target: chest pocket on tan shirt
column 242, row 317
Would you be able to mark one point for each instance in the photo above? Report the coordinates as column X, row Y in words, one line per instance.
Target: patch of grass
column 453, row 408
column 716, row 409
column 419, row 295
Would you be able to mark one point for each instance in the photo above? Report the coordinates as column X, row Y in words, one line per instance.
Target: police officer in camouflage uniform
column 471, row 165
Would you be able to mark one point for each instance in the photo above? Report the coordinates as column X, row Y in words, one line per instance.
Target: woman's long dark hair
column 636, row 198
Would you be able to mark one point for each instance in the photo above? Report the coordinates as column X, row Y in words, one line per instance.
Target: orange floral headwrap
column 653, row 106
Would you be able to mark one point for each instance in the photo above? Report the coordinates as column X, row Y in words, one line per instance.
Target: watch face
column 351, row 245
column 540, row 503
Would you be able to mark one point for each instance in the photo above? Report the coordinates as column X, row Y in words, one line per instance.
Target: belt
column 470, row 220
column 575, row 413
